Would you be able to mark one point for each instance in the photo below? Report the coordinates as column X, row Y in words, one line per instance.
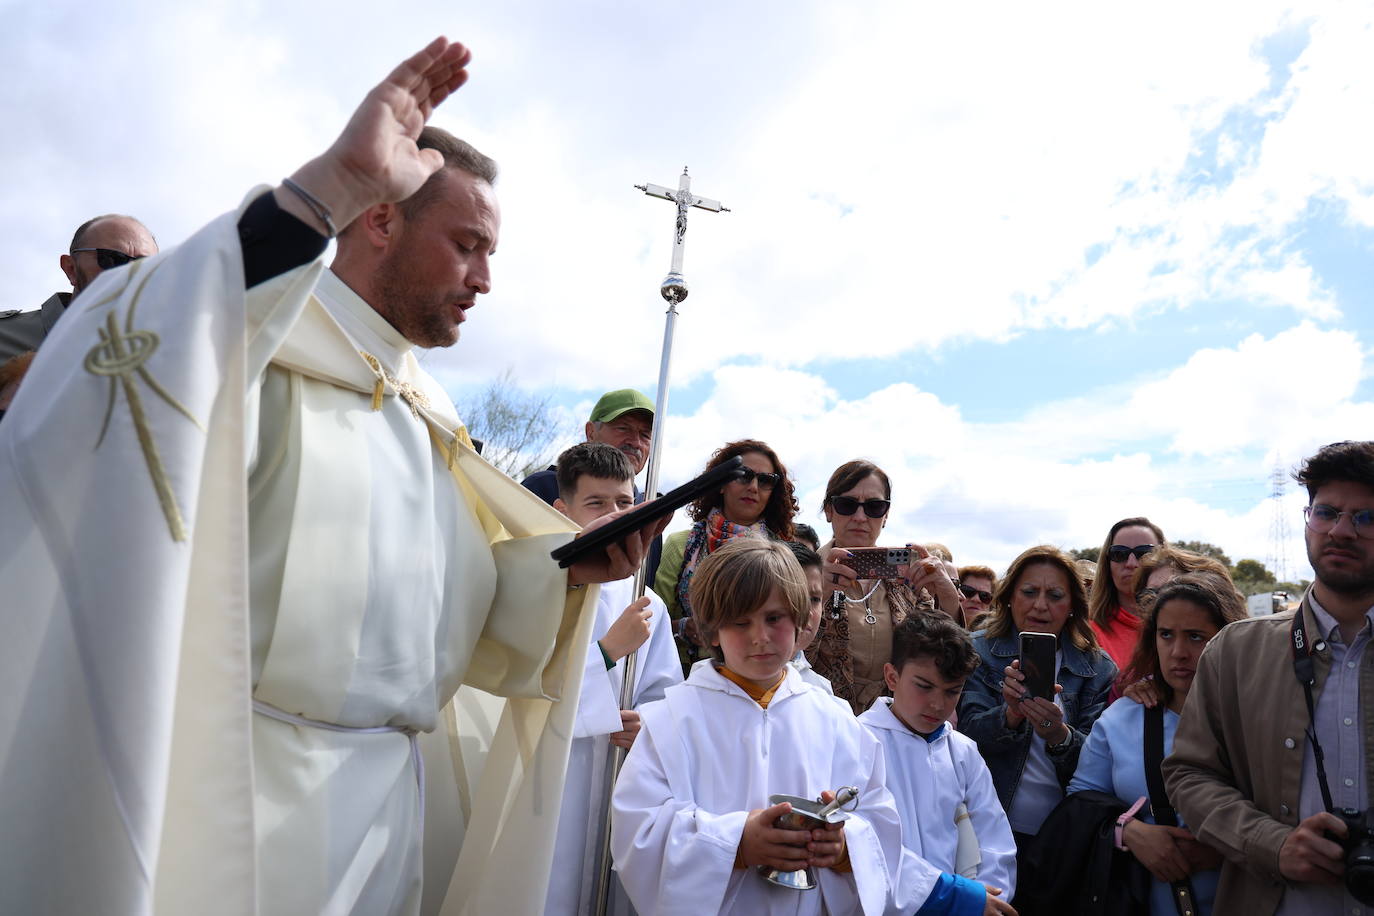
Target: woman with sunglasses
column 1112, row 608
column 1189, row 611
column 758, row 504
column 855, row 642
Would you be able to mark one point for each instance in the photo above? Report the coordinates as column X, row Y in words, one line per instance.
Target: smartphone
column 1037, row 663
column 647, row 513
column 878, row 562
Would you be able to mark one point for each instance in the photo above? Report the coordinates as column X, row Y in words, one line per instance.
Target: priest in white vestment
column 251, row 560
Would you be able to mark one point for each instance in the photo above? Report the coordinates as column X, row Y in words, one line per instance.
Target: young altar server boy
column 594, row 479
column 690, row 816
column 932, row 769
column 810, row 562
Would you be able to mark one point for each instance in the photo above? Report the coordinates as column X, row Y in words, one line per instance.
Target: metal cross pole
column 674, row 290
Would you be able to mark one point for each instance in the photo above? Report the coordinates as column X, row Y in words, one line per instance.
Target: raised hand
column 629, row 631
column 375, row 159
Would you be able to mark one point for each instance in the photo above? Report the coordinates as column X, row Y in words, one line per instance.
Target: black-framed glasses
column 1118, row 553
column 1321, row 518
column 968, row 591
column 109, row 257
column 766, row 481
column 848, row 505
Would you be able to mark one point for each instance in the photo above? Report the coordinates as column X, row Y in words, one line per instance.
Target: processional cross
column 674, row 289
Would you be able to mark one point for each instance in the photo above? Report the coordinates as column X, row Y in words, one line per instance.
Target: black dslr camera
column 1359, row 852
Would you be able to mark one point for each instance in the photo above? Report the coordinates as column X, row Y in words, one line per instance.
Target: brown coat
column 1236, row 767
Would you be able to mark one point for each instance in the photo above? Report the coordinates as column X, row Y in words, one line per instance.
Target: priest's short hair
column 458, row 154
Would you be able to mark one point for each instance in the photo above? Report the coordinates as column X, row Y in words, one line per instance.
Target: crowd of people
column 251, row 607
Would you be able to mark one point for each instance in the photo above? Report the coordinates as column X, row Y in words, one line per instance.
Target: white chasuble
column 708, row 755
column 210, row 501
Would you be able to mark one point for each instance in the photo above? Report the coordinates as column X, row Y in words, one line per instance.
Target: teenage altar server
column 691, row 816
column 932, row 771
column 593, row 480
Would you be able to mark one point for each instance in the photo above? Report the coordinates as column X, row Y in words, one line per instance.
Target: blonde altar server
column 940, row 782
column 690, row 814
column 250, row 562
column 594, row 479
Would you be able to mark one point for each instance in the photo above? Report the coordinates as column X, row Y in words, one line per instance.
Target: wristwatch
column 1055, row 748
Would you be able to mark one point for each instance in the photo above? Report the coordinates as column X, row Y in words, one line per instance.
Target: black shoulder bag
column 1164, row 813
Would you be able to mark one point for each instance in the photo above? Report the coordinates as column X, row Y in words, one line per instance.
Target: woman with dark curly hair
column 760, row 504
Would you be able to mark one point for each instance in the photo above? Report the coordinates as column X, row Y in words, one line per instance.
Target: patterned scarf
column 706, row 536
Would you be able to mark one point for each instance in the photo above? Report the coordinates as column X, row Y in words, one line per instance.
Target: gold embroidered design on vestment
column 120, row 356
column 415, row 399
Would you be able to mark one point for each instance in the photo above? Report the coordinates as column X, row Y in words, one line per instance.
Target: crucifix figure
column 674, row 287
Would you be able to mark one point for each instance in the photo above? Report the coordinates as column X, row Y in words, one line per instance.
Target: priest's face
column 437, row 262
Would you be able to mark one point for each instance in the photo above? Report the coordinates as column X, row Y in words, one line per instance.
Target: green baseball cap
column 615, row 403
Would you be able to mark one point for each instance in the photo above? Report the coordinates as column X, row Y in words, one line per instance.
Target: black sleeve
column 274, row 241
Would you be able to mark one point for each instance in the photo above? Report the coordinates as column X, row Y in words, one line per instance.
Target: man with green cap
column 623, row 418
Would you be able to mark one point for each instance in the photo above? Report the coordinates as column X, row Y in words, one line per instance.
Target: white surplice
column 928, row 780
column 212, row 498
column 657, row 667
column 707, row 755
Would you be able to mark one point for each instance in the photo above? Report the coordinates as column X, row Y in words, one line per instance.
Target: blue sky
column 1050, row 267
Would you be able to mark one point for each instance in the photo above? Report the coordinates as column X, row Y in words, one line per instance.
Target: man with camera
column 1269, row 761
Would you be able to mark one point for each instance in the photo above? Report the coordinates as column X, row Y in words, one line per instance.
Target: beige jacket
column 1236, row 767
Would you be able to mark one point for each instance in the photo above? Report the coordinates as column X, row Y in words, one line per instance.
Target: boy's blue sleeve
column 955, row 896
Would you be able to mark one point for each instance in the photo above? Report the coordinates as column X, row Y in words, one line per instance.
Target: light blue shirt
column 1113, row 761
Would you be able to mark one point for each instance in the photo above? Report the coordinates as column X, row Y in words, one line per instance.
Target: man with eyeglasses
column 99, row 244
column 1277, row 729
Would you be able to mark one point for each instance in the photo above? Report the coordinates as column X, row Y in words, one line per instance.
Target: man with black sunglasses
column 106, row 241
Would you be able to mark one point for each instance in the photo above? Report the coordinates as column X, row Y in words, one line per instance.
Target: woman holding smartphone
column 855, row 637
column 1031, row 744
column 1187, row 613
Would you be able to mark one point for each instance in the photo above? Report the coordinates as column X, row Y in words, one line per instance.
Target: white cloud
column 1192, row 449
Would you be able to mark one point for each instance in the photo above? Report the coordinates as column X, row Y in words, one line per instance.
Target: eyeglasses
column 848, row 505
column 766, row 481
column 109, row 257
column 1118, row 553
column 1322, row 518
column 968, row 591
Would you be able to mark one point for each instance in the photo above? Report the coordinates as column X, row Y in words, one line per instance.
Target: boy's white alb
column 707, row 756
column 929, row 780
column 573, row 882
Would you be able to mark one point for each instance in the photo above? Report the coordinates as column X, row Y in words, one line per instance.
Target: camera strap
column 1153, row 736
column 1306, row 671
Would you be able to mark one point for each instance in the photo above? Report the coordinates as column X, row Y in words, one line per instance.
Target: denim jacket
column 1087, row 680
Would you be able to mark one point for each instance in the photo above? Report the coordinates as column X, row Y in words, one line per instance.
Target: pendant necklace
column 868, row 611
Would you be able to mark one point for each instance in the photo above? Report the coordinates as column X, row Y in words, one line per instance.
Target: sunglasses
column 747, row 476
column 968, row 591
column 1119, row 552
column 848, row 505
column 108, row 257
column 1321, row 518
